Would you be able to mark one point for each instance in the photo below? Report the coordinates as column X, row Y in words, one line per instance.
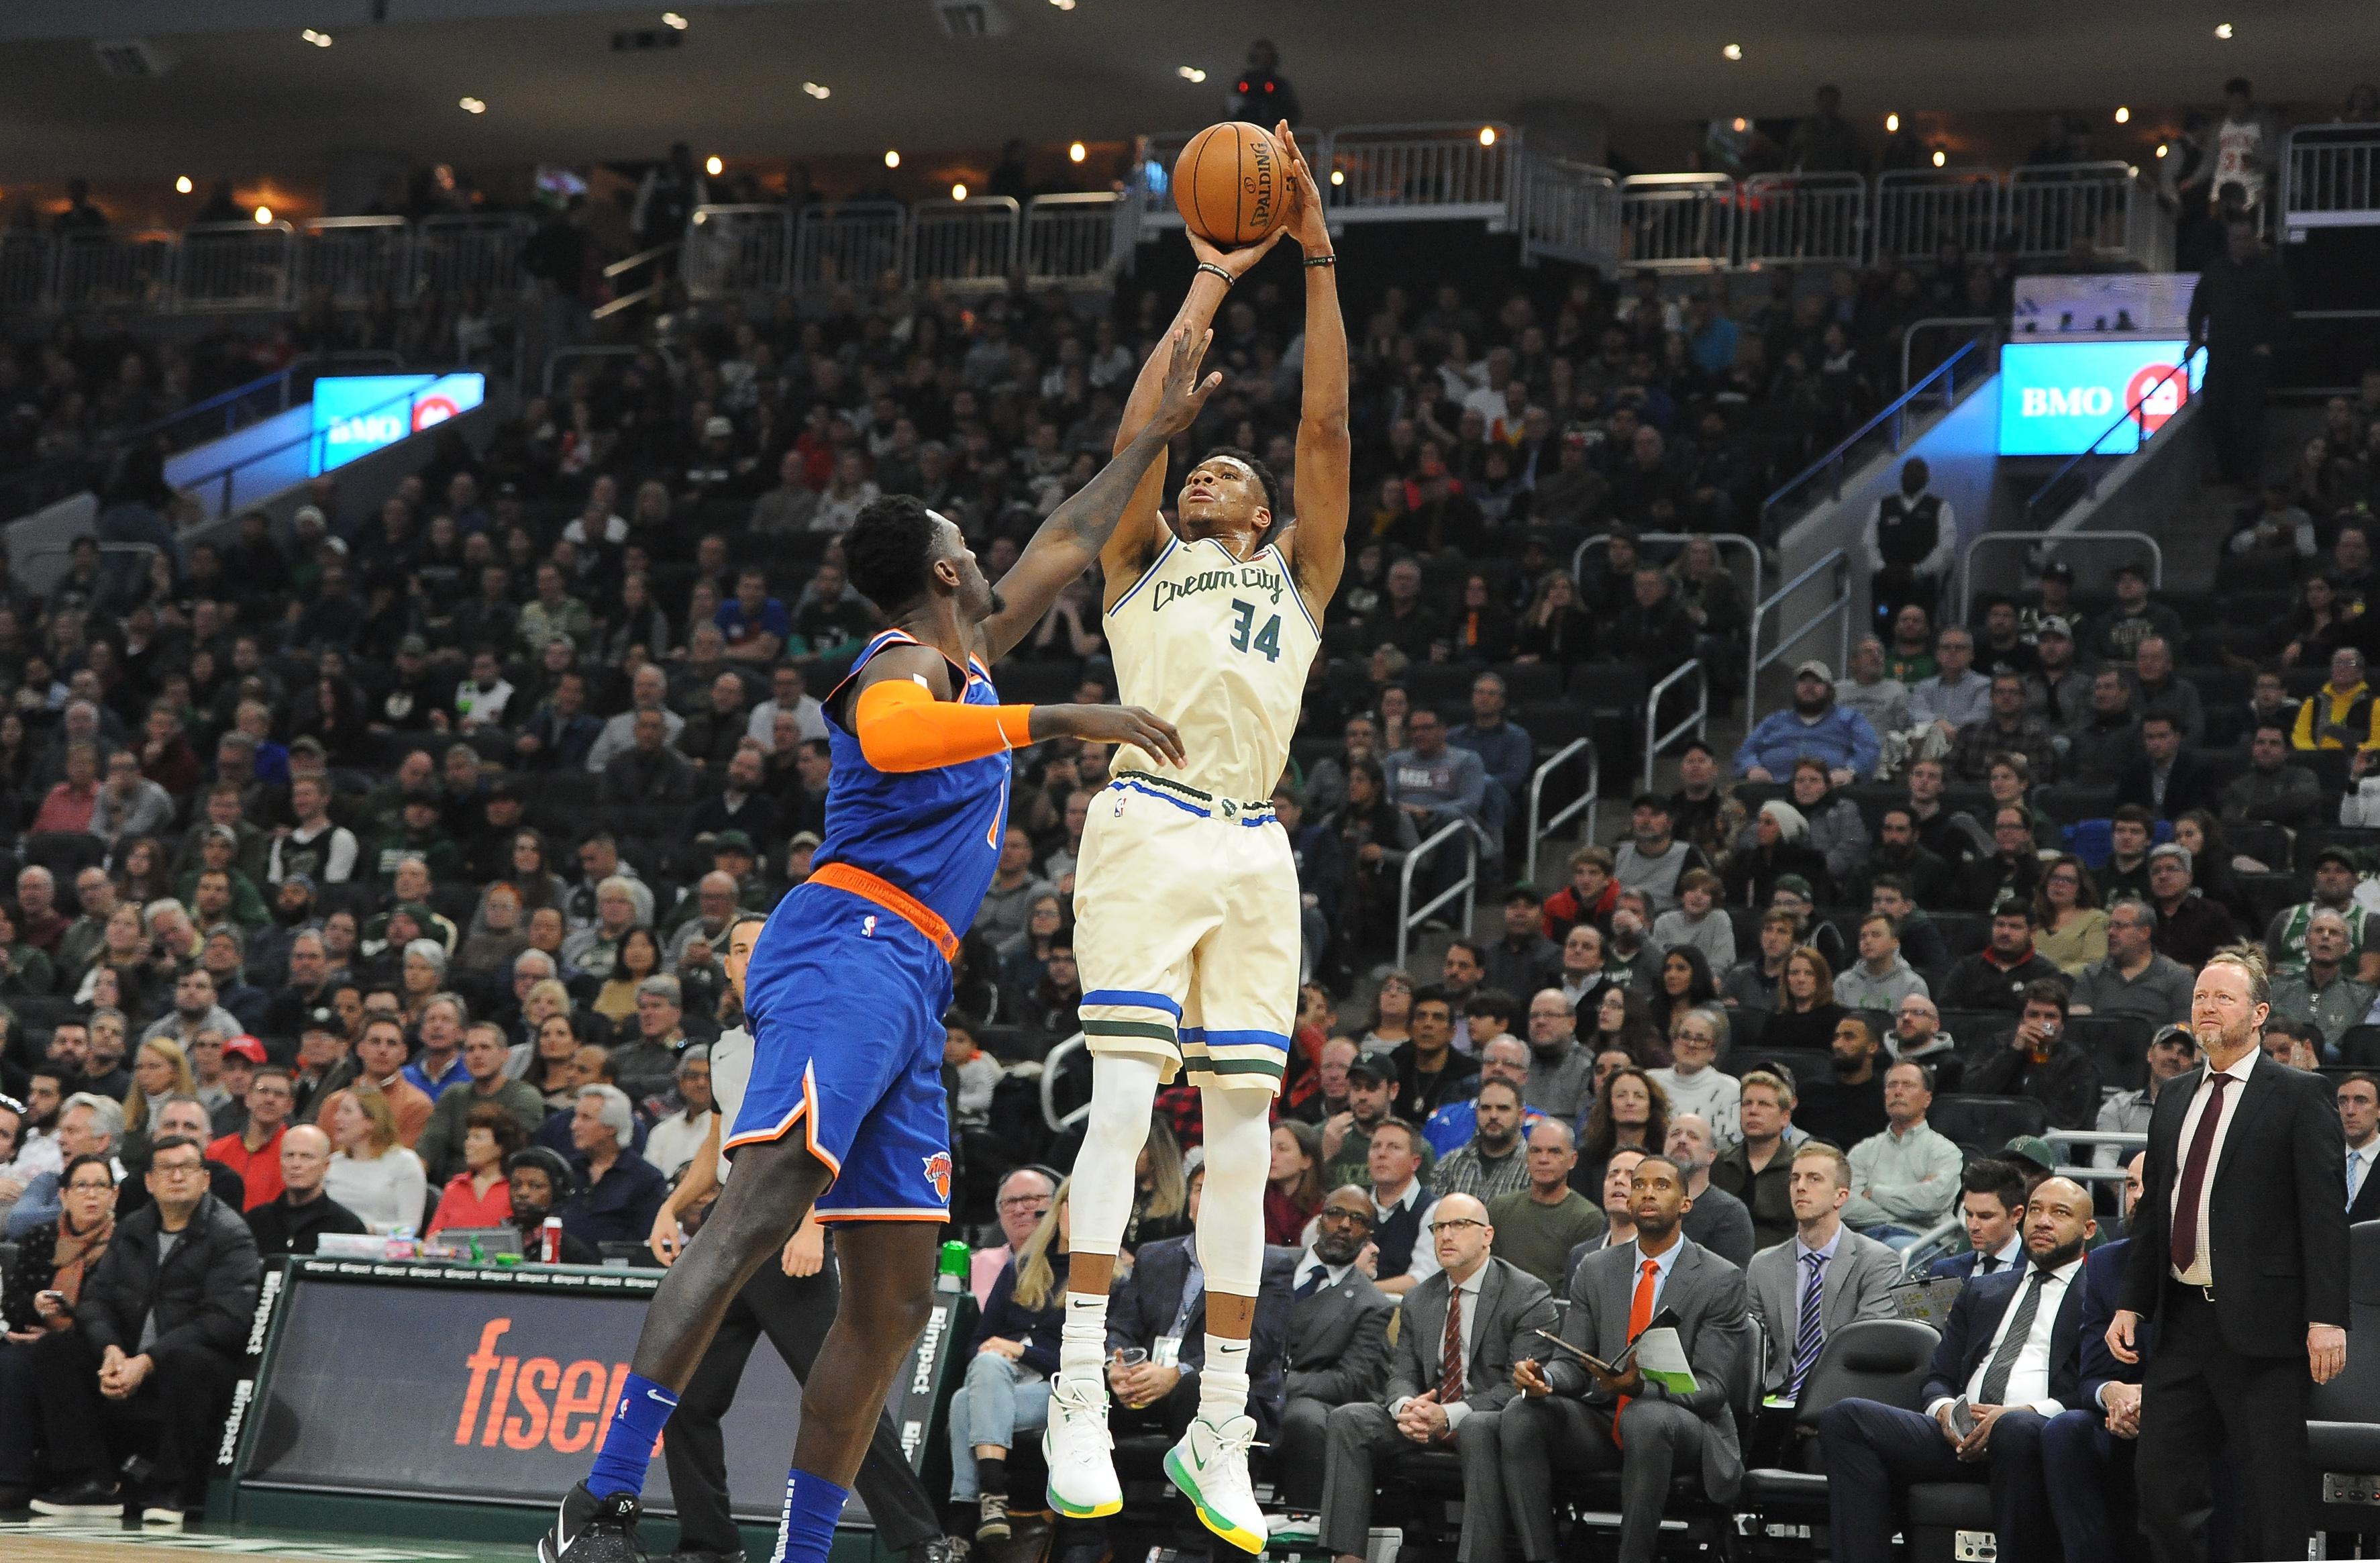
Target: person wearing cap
column 1815, row 725
column 2190, row 927
column 2039, row 1059
column 2057, row 689
column 1652, row 860
column 254, row 1149
column 1911, row 539
column 1372, row 1085
column 2002, row 647
column 2335, row 876
column 417, row 696
column 418, row 836
column 316, row 848
column 2172, row 1052
column 2134, row 980
column 1997, row 976
column 2323, row 992
column 2272, row 790
column 2115, row 635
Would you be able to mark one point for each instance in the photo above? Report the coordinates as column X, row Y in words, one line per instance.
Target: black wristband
column 1330, row 260
column 1213, row 270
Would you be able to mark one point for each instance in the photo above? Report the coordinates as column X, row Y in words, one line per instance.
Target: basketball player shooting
column 1185, row 895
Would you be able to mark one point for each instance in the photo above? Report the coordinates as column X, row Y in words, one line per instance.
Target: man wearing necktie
column 1991, row 1203
column 2011, row 1355
column 2238, row 1255
column 1338, row 1352
column 1822, row 1277
column 2358, row 1118
column 1577, row 1418
column 1458, row 1334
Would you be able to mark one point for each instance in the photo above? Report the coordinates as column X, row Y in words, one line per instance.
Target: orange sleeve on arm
column 901, row 726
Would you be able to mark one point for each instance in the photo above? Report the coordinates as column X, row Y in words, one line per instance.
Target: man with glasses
column 1451, row 1377
column 1022, row 1196
column 1956, row 697
column 159, row 1327
column 89, row 1125
column 2172, row 1052
column 1338, row 1353
column 255, row 1151
column 2134, row 980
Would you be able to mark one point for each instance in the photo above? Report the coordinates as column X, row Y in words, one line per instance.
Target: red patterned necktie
column 1450, row 1355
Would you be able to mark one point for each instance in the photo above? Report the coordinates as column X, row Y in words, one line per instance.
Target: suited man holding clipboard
column 2238, row 1255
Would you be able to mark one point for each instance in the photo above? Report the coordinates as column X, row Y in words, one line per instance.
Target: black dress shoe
column 89, row 1497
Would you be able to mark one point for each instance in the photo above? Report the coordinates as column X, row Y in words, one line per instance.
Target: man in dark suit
column 2086, row 1450
column 2239, row 1256
column 1162, row 1310
column 1452, row 1374
column 1338, row 1350
column 2009, row 1359
column 1991, row 1203
column 1584, row 1419
column 2358, row 1117
column 2166, row 779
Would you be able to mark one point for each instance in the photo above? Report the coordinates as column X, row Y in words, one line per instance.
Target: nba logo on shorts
column 867, row 926
column 938, row 1173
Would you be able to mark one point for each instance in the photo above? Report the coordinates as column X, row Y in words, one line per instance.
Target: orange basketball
column 1231, row 184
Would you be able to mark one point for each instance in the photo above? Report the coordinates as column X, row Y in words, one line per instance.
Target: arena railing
column 1151, row 197
column 359, row 260
column 1074, row 240
column 1721, row 540
column 1837, row 608
column 2072, row 1140
column 1392, row 173
column 2093, row 213
column 731, row 250
column 849, row 244
column 1459, row 833
column 469, row 253
column 1978, row 328
column 2002, row 539
column 1569, row 212
column 650, row 266
column 2077, row 478
column 111, row 271
column 1052, row 1073
column 1696, row 721
column 1541, row 827
column 2330, row 179
column 1679, row 222
column 226, row 267
column 1892, row 422
column 1918, row 209
column 965, row 246
column 1798, row 219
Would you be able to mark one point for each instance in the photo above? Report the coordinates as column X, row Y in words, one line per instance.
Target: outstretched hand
column 1307, row 221
column 1152, row 734
column 1240, row 262
column 1183, row 393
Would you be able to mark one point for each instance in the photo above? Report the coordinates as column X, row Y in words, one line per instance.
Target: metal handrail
column 1839, row 460
column 1699, row 719
column 1719, row 541
column 642, row 257
column 1967, row 556
column 1837, row 559
column 1934, row 322
column 1920, row 1249
column 1050, row 1070
column 2085, row 1172
column 1539, row 828
column 2038, row 501
column 1408, row 918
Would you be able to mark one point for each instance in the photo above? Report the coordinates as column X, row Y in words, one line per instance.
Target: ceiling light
column 713, row 166
column 1733, row 51
column 673, row 20
column 319, row 40
column 264, row 213
column 2123, row 116
column 2163, row 149
column 182, row 186
column 1487, row 135
column 1740, row 125
column 958, row 192
column 2223, row 31
column 1892, row 124
column 1941, row 159
column 1076, row 152
column 472, row 105
column 815, row 91
column 1064, row 4
column 1338, row 176
column 1189, row 73
column 891, row 160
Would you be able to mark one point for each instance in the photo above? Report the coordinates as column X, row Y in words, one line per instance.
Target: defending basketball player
column 1185, row 895
column 851, row 975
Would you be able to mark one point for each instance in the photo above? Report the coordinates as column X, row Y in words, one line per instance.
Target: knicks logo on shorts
column 938, row 1173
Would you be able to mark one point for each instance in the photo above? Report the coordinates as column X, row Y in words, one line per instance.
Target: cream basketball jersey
column 1219, row 647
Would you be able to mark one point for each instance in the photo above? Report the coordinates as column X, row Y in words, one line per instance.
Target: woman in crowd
column 480, row 1195
column 38, row 1299
column 1698, row 920
column 1294, row 1185
column 1022, row 968
column 545, row 997
column 1483, row 630
column 976, row 988
column 125, row 956
column 1392, row 1014
column 640, row 956
column 1374, row 837
column 2009, row 778
column 159, row 1070
column 1693, row 1083
column 143, row 874
column 371, row 1174
column 1007, row 1388
column 1805, row 1011
column 531, row 876
column 2070, row 931
column 1389, row 709
column 2310, row 632
column 553, row 1068
column 1161, row 1201
column 1684, row 984
column 1555, row 628
column 1776, row 844
column 1837, row 832
column 2211, row 868
column 1622, row 1021
column 1630, row 1113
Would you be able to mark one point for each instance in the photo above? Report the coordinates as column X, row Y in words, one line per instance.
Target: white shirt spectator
column 809, row 720
column 673, row 1140
column 386, row 1192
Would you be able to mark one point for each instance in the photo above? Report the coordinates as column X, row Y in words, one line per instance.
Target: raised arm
column 1076, row 532
column 1135, row 542
column 1317, row 550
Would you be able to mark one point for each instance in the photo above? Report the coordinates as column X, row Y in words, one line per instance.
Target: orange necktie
column 1640, row 1313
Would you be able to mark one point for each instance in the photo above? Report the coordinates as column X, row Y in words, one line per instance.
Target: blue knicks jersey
column 935, row 834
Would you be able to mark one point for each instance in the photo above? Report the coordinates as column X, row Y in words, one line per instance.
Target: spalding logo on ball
column 1231, row 184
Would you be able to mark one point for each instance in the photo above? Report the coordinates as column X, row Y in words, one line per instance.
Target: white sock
column 1083, row 1338
column 1223, row 1383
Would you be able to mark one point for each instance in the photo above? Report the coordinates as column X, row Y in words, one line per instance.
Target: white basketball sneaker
column 1078, row 1449
column 1210, row 1466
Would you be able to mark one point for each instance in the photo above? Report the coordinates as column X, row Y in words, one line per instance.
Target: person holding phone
column 38, row 1299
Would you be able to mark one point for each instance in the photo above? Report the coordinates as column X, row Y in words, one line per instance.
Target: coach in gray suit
column 1452, row 1374
column 1852, row 1274
column 1568, row 1414
column 1338, row 1342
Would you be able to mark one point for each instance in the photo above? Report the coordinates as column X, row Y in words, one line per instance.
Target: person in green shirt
column 1537, row 1226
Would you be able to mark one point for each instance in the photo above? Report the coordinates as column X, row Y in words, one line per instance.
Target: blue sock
column 628, row 1441
column 805, row 1526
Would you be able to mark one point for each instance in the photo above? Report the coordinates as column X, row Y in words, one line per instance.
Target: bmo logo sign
column 355, row 414
column 2056, row 397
